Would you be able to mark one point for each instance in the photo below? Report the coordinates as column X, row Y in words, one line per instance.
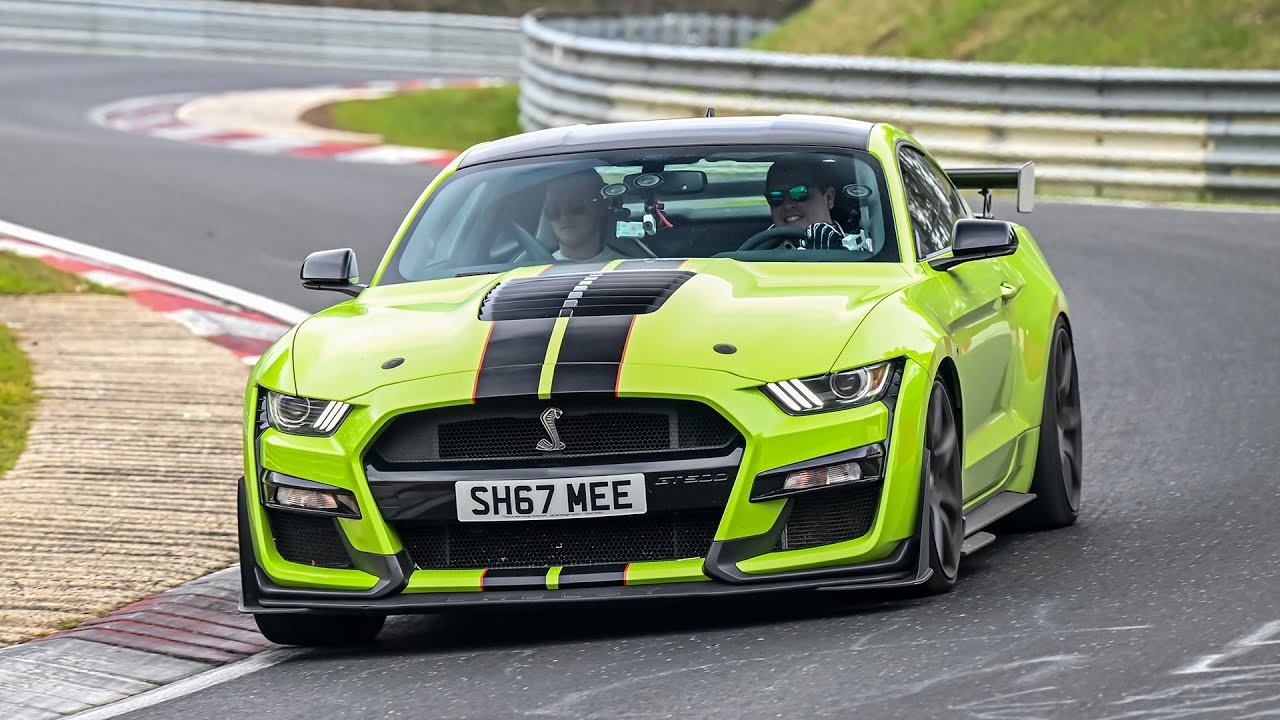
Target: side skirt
column 987, row 513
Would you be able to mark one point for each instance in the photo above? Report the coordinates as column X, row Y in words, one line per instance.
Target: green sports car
column 674, row 358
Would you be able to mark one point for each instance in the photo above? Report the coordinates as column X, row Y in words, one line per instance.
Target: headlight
column 836, row 391
column 304, row 416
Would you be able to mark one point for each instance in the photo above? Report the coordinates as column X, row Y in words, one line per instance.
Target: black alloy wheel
column 940, row 480
column 1066, row 384
column 1060, row 457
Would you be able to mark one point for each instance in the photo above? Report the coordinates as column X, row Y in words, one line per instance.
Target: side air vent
column 622, row 292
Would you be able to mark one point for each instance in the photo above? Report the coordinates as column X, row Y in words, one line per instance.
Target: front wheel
column 320, row 630
column 941, row 484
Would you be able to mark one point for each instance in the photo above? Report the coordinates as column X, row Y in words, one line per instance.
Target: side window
column 932, row 201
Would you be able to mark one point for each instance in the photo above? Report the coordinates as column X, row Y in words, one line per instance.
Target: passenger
column 579, row 217
column 801, row 196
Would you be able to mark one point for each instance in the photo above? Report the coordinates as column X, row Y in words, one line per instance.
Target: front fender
column 897, row 327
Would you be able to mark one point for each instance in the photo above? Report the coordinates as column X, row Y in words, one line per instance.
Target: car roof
column 773, row 130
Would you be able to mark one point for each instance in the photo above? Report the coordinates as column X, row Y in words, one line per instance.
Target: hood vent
column 621, row 292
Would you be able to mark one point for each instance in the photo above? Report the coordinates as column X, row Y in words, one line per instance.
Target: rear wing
column 984, row 180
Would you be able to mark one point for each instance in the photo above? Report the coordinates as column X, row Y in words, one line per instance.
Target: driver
column 579, row 216
column 800, row 196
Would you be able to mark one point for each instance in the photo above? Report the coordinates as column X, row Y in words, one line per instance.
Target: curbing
column 127, row 659
column 206, row 307
column 269, row 122
column 168, row 276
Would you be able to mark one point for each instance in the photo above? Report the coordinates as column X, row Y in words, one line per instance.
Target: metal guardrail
column 1138, row 132
column 686, row 29
column 417, row 42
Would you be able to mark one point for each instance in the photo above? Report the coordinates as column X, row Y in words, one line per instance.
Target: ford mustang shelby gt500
column 672, row 358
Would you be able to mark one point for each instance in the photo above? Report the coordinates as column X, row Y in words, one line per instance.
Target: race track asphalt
column 1162, row 602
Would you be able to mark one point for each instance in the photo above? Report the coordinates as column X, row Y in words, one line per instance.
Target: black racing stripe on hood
column 585, row 576
column 621, row 292
column 591, row 354
column 513, row 357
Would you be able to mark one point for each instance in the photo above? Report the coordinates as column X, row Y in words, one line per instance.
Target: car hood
column 761, row 321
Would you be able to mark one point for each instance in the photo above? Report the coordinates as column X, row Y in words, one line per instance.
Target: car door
column 975, row 314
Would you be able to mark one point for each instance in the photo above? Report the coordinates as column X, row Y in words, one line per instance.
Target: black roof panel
column 773, row 130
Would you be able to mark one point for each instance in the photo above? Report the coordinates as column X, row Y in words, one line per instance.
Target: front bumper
column 743, row 557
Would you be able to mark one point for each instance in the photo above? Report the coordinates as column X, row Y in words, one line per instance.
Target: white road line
column 190, row 685
column 391, row 155
column 140, row 122
column 208, row 324
column 271, row 144
column 101, row 114
column 184, row 132
column 212, row 288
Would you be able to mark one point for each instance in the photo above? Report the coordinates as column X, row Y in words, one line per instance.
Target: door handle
column 1008, row 292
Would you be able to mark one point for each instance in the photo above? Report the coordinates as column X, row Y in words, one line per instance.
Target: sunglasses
column 555, row 212
column 798, row 193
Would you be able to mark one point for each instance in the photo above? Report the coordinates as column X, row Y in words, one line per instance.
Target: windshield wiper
column 469, row 273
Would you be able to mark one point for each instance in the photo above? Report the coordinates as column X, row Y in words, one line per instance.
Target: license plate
column 553, row 499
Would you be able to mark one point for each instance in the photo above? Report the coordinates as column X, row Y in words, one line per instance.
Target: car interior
column 676, row 207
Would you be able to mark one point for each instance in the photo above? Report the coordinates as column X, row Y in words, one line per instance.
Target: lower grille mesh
column 543, row 543
column 308, row 539
column 830, row 516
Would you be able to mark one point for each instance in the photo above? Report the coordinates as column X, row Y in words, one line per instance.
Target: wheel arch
column 950, row 377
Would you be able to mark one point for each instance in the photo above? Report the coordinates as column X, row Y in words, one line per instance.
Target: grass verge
column 1237, row 34
column 24, row 276
column 445, row 118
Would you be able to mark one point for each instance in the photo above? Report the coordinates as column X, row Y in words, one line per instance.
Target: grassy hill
column 1238, row 34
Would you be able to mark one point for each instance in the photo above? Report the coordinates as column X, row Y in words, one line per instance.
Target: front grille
column 308, row 539
column 504, row 432
column 543, row 543
column 830, row 516
column 624, row 292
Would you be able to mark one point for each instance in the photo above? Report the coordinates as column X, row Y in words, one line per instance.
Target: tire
column 1058, row 471
column 940, row 481
column 320, row 630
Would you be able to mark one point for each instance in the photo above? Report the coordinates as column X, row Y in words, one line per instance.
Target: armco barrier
column 1131, row 131
column 1100, row 131
column 422, row 43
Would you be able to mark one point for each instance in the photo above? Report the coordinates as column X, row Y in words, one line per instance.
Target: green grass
column 447, row 118
column 1229, row 34
column 24, row 276
column 17, row 400
column 27, row 276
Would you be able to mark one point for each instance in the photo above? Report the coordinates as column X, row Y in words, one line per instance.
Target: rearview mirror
column 332, row 270
column 668, row 182
column 978, row 240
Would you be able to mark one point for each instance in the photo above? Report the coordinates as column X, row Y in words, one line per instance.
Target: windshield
column 752, row 204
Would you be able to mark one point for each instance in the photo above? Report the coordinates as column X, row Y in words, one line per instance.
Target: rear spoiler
column 984, row 180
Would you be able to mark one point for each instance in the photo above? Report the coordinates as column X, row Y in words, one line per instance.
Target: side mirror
column 978, row 240
column 332, row 270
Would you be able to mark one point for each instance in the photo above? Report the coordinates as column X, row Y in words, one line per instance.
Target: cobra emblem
column 551, row 443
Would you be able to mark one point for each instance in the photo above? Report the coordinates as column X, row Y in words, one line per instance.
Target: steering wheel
column 774, row 237
column 535, row 250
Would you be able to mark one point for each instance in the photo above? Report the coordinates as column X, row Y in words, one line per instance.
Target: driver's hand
column 823, row 236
